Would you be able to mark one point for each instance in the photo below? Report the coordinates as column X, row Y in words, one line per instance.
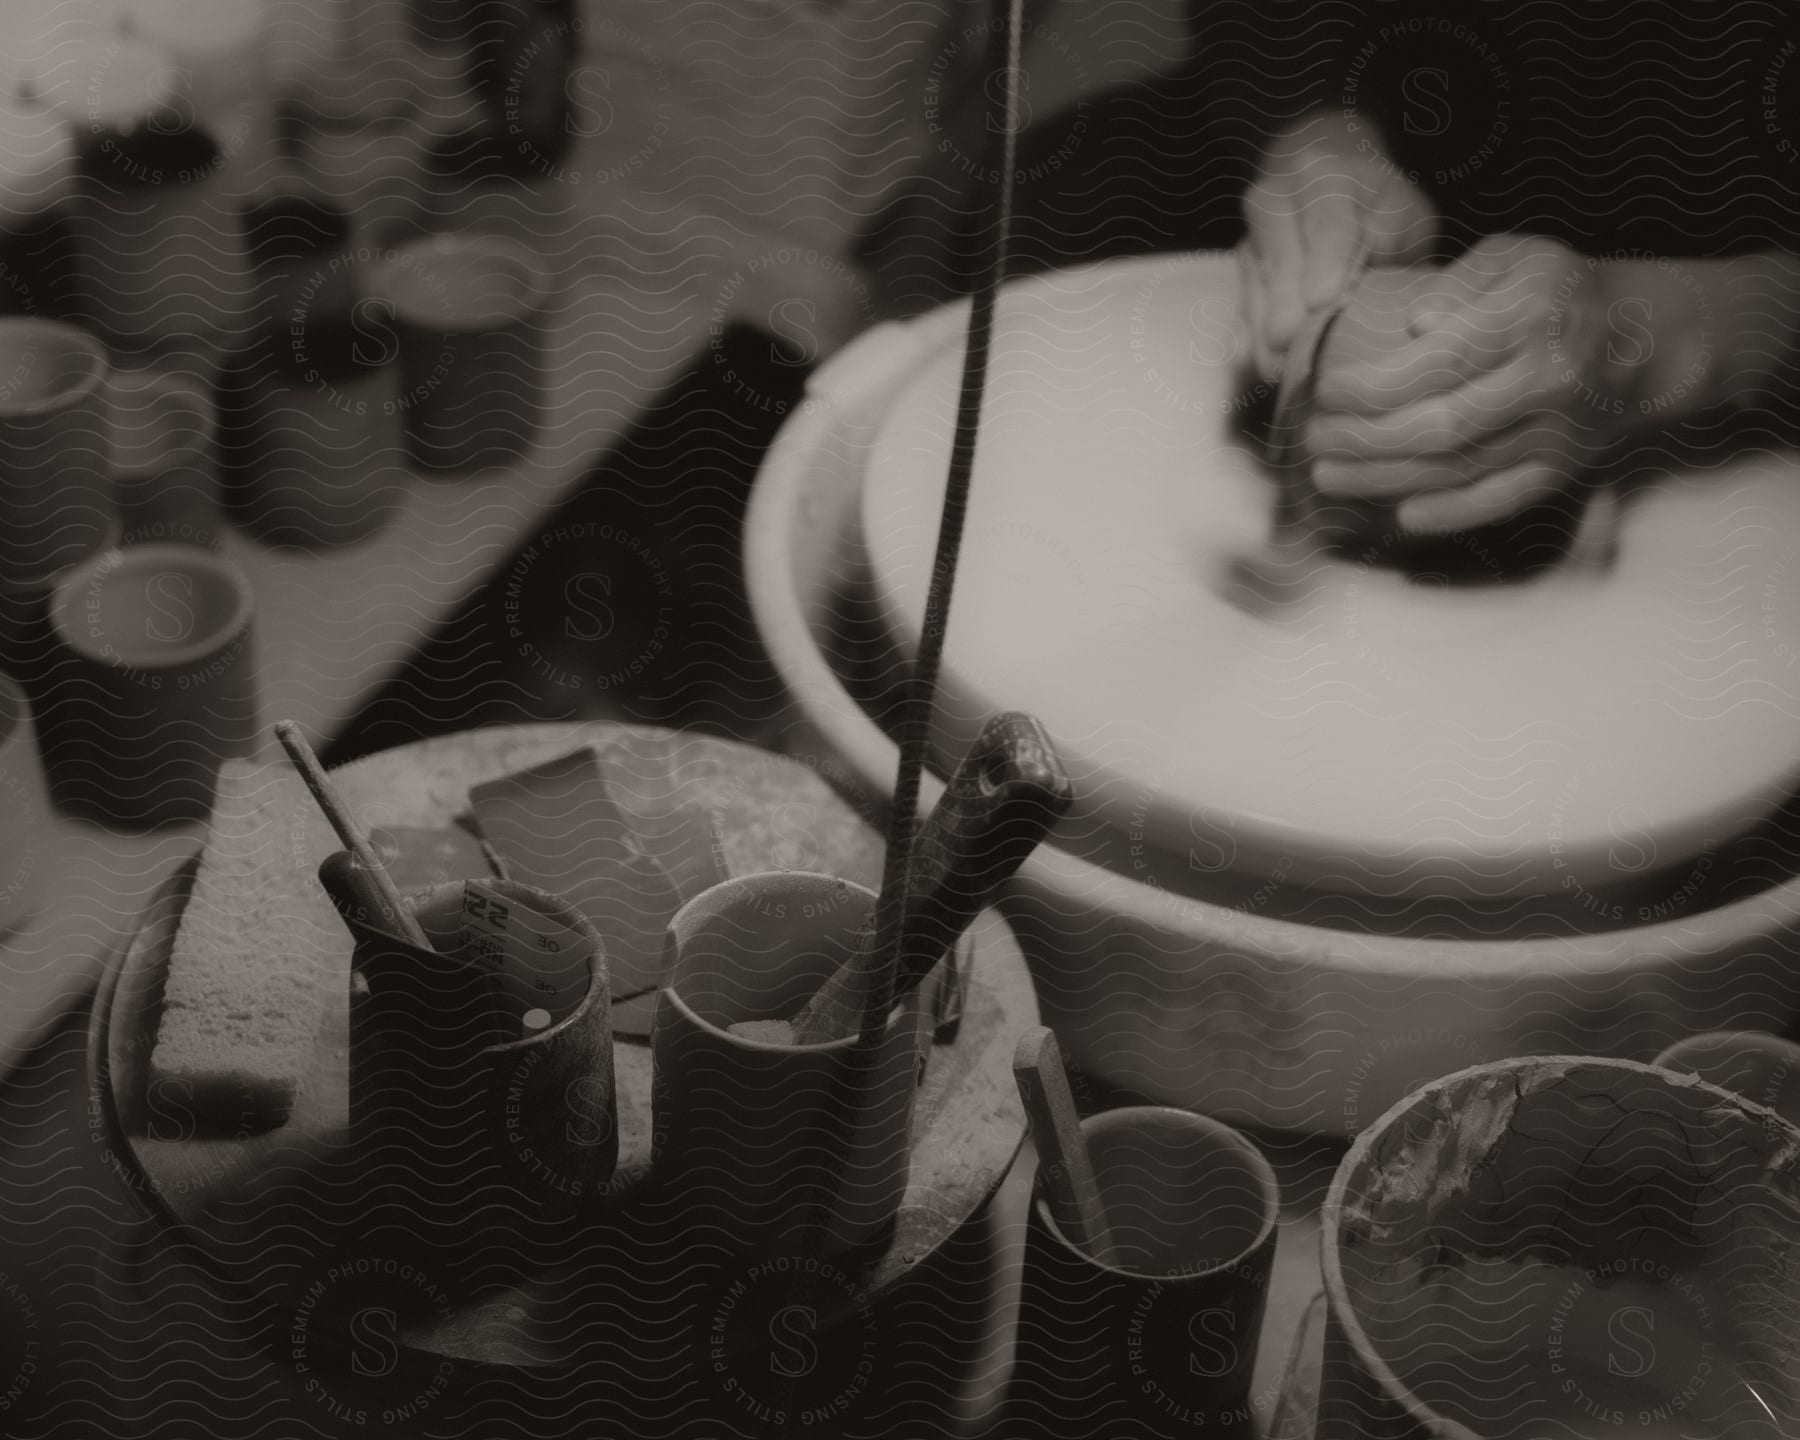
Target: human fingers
column 1253, row 311
column 1275, row 238
column 1386, row 381
column 1420, row 474
column 1489, row 501
column 1333, row 244
column 1447, row 420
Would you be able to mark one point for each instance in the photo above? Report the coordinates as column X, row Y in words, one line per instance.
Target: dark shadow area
column 628, row 602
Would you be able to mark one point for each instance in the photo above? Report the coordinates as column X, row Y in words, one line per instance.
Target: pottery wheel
column 1381, row 736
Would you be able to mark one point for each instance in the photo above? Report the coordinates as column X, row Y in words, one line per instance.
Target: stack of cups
column 363, row 147
column 157, row 250
column 315, row 414
column 221, row 49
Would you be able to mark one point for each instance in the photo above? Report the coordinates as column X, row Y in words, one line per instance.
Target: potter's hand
column 1326, row 200
column 1526, row 362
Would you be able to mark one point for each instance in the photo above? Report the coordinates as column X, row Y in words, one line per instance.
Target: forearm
column 1758, row 300
column 1680, row 338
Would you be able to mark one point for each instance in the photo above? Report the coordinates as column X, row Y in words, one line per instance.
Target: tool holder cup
column 1161, row 1341
column 778, row 1150
column 482, row 1097
column 1563, row 1246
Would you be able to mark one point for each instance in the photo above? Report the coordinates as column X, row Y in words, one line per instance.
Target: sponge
column 257, row 945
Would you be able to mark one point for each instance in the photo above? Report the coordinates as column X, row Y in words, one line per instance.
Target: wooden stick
column 399, row 918
column 1069, row 1183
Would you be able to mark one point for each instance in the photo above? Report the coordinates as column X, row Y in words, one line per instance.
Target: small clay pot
column 149, row 685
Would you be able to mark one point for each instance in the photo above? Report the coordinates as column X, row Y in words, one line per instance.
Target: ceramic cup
column 469, row 308
column 781, row 1149
column 1563, row 1246
column 318, row 456
column 165, row 472
column 365, row 149
column 482, row 1095
column 159, row 245
column 155, row 233
column 150, row 684
column 300, row 260
column 55, row 484
column 1163, row 1340
column 27, row 832
column 221, row 48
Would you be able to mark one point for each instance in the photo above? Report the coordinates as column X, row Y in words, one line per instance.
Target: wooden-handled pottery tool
column 1302, row 526
column 1007, row 794
column 373, row 886
column 1063, row 1166
column 459, row 1005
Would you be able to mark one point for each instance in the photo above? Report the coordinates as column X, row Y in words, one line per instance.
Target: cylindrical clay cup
column 1564, row 1247
column 299, row 257
column 55, row 481
column 364, row 147
column 165, row 475
column 155, row 227
column 469, row 1124
column 1161, row 1342
column 317, row 458
column 221, row 48
column 150, row 684
column 778, row 1149
column 470, row 313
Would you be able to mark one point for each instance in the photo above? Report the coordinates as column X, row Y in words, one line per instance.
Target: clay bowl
column 1252, row 1016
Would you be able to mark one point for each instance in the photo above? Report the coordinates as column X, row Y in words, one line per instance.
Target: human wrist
column 1759, row 301
column 1660, row 338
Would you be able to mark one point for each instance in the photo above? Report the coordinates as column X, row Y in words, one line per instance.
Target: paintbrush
column 371, row 885
column 1063, row 1166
